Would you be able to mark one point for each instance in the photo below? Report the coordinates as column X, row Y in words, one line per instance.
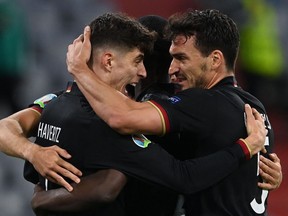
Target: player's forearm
column 111, row 105
column 14, row 131
column 58, row 200
column 104, row 100
column 13, row 141
column 93, row 191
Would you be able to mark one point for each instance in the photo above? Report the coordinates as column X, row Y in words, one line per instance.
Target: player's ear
column 106, row 61
column 217, row 58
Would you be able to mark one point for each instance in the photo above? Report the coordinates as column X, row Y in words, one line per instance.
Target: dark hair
column 122, row 31
column 212, row 30
column 158, row 61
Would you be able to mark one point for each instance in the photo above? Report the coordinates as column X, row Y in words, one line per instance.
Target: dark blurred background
column 34, row 35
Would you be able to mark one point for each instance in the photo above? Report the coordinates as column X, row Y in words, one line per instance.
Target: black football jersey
column 209, row 120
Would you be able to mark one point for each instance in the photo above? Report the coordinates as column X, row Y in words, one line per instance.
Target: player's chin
column 180, row 86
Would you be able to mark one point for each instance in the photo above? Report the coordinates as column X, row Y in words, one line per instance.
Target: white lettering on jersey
column 48, row 132
column 259, row 208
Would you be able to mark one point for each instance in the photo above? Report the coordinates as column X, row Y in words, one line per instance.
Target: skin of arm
column 14, row 131
column 96, row 189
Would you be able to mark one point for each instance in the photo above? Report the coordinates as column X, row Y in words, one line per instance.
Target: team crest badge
column 140, row 140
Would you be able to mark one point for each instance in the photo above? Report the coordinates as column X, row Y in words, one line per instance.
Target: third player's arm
column 94, row 190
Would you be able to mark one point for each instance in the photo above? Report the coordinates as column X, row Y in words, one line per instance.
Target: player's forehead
column 183, row 45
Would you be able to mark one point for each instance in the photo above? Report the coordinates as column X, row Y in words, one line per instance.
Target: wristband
column 245, row 147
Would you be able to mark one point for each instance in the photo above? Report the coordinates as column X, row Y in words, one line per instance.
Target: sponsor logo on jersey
column 140, row 140
column 45, row 100
column 174, row 99
column 49, row 132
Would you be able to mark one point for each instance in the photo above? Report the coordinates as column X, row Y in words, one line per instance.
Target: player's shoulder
column 194, row 95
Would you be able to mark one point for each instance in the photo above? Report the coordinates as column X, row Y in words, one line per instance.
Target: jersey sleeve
column 187, row 109
column 29, row 172
column 40, row 103
column 149, row 162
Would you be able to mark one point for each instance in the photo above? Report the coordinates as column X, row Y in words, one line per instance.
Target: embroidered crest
column 45, row 100
column 140, row 140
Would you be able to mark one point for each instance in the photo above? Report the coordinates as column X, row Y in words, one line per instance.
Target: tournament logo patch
column 140, row 140
column 45, row 100
column 174, row 99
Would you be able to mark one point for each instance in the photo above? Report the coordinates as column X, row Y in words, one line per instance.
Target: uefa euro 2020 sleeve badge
column 140, row 140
